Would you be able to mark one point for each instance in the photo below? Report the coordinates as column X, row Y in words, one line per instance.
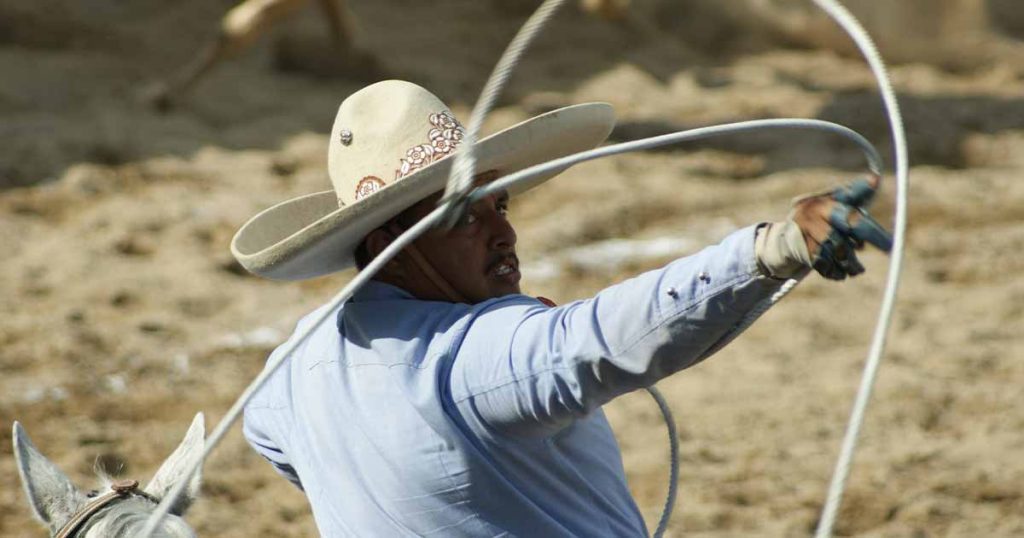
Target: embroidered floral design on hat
column 367, row 186
column 445, row 136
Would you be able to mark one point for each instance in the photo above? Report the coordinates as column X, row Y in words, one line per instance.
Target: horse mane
column 126, row 519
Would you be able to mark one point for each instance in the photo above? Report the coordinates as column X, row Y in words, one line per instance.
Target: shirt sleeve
column 527, row 369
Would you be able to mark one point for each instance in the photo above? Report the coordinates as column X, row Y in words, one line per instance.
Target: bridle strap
column 118, row 489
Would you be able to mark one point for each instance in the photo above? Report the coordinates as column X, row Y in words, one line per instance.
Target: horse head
column 121, row 508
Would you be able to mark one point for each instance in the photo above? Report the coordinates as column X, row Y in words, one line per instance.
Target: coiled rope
column 459, row 196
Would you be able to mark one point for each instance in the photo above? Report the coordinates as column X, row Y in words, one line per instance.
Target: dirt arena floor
column 122, row 313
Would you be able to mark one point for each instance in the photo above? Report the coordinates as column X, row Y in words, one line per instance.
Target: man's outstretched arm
column 528, row 369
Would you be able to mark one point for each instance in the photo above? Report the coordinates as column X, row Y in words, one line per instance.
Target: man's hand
column 823, row 231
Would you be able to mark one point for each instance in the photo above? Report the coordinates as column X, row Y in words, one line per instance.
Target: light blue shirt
column 418, row 418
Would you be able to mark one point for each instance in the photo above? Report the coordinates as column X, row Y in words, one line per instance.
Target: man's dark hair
column 362, row 255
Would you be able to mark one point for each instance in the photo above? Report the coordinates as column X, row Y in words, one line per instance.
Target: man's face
column 477, row 257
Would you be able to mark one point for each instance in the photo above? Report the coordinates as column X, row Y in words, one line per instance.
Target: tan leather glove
column 781, row 250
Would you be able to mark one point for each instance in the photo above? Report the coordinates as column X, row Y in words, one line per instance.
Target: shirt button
column 704, row 276
column 672, row 293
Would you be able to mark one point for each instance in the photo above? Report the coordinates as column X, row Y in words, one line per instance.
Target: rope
column 842, row 470
column 458, row 196
column 700, row 133
column 673, row 459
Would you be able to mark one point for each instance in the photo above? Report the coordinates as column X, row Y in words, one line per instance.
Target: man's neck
column 420, row 287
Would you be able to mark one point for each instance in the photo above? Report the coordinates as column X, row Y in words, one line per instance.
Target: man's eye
column 503, row 210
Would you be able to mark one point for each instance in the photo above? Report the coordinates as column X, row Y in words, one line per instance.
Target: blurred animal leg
column 239, row 28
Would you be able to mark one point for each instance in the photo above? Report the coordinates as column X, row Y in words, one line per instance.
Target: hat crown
column 383, row 133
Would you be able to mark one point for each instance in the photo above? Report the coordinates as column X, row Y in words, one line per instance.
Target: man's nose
column 503, row 235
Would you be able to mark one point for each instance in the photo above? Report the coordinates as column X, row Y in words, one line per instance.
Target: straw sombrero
column 390, row 147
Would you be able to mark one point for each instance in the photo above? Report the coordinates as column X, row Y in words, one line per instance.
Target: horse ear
column 177, row 465
column 53, row 497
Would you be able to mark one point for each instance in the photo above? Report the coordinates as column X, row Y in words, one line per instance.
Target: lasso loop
column 459, row 192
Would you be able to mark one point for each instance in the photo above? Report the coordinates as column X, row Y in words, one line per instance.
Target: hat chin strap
column 433, row 276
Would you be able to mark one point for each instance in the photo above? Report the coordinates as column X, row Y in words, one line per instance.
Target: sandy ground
column 123, row 314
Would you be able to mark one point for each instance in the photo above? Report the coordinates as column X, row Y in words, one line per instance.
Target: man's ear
column 176, row 466
column 53, row 497
column 376, row 242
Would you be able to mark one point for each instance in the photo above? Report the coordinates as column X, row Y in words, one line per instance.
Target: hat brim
column 311, row 236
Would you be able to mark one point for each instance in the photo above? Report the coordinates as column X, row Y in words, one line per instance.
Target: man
column 442, row 402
